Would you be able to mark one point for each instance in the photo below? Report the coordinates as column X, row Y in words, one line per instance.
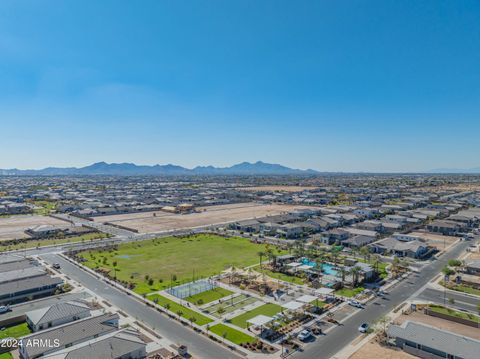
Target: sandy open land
column 374, row 350
column 147, row 223
column 436, row 240
column 277, row 188
column 13, row 227
column 440, row 323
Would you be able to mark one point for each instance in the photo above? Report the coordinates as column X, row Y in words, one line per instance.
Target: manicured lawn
column 233, row 335
column 49, row 242
column 15, row 331
column 46, row 207
column 6, row 356
column 172, row 261
column 455, row 313
column 269, row 309
column 208, row 296
column 175, row 307
column 281, row 276
column 347, row 292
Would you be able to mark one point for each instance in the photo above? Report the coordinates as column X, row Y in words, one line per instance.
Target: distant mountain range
column 456, row 170
column 131, row 169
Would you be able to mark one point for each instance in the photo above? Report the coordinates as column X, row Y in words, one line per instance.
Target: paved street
column 461, row 301
column 198, row 345
column 328, row 345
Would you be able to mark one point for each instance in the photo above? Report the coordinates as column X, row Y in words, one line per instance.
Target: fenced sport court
column 192, row 288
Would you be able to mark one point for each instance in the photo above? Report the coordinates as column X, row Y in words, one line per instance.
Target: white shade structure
column 306, row 298
column 260, row 320
column 324, row 291
column 293, row 305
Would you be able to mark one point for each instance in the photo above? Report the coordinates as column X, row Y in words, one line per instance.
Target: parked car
column 304, row 335
column 4, row 309
column 355, row 304
column 363, row 328
column 56, row 265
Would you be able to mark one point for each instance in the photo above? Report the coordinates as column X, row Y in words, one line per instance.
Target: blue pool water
column 326, row 268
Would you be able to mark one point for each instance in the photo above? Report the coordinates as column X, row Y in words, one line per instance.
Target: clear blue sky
column 331, row 85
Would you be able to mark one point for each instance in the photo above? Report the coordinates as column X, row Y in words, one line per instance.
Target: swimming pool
column 326, row 267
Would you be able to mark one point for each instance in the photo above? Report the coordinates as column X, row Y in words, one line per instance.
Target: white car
column 363, row 328
column 304, row 335
column 355, row 304
column 4, row 309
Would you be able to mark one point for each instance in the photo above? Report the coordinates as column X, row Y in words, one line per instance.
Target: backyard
column 15, row 331
column 160, row 263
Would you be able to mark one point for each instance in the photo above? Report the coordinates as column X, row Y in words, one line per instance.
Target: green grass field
column 208, row 296
column 348, row 292
column 233, row 335
column 269, row 309
column 281, row 276
column 48, row 242
column 6, row 356
column 462, row 288
column 171, row 261
column 175, row 308
column 46, row 207
column 15, row 331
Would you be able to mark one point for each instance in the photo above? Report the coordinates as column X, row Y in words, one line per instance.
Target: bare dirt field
column 162, row 221
column 277, row 188
column 440, row 323
column 374, row 350
column 13, row 227
column 436, row 240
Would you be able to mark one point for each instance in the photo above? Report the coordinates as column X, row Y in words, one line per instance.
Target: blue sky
column 331, row 85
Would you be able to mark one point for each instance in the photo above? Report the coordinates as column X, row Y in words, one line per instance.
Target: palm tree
column 365, row 252
column 260, row 254
column 376, row 262
column 343, row 272
column 355, row 271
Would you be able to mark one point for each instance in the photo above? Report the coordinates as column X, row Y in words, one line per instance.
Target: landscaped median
column 269, row 310
column 455, row 315
column 179, row 309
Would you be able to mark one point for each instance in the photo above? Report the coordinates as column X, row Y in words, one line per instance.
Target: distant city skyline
column 377, row 86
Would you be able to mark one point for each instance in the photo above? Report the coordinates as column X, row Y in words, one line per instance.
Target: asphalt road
column 461, row 301
column 328, row 345
column 198, row 345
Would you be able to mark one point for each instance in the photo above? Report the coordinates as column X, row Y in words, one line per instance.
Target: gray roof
column 113, row 345
column 8, row 258
column 17, row 265
column 28, row 284
column 73, row 333
column 432, row 337
column 473, row 264
column 56, row 312
column 14, row 275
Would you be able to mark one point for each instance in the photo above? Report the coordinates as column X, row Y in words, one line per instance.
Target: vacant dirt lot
column 436, row 240
column 440, row 323
column 162, row 221
column 277, row 188
column 374, row 350
column 13, row 227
